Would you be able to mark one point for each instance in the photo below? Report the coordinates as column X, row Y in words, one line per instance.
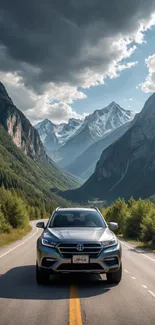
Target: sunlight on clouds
column 149, row 84
column 57, row 112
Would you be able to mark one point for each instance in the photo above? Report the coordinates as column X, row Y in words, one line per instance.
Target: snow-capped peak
column 45, row 128
column 104, row 120
column 60, row 133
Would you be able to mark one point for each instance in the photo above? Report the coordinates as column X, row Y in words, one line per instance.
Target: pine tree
column 18, row 215
column 37, row 213
column 4, row 226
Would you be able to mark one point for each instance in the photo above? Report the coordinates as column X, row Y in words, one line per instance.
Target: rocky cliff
column 24, row 135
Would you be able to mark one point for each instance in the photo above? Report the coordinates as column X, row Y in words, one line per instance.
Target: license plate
column 80, row 259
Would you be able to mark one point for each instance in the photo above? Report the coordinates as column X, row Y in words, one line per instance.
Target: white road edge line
column 136, row 250
column 144, row 286
column 12, row 249
column 151, row 293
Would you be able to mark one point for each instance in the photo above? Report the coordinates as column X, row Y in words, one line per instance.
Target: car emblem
column 80, row 247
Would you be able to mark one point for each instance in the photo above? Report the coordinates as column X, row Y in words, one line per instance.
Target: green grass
column 15, row 234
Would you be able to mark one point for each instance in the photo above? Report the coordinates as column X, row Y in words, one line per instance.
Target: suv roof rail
column 57, row 209
column 93, row 207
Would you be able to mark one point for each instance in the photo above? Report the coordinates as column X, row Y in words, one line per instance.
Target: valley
column 109, row 154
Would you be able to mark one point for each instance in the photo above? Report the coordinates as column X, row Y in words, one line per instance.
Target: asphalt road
column 74, row 300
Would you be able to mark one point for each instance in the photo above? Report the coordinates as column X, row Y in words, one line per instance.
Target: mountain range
column 66, row 143
column 127, row 167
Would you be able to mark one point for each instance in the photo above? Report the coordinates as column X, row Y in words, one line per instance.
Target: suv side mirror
column 40, row 225
column 113, row 225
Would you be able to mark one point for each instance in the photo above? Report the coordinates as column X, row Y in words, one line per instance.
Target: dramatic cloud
column 57, row 112
column 38, row 107
column 57, row 46
column 149, row 84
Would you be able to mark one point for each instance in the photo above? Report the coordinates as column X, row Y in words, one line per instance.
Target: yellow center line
column 74, row 307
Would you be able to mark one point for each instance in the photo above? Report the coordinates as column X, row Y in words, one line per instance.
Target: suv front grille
column 68, row 250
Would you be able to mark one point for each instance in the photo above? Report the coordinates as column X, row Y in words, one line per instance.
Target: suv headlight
column 48, row 242
column 109, row 243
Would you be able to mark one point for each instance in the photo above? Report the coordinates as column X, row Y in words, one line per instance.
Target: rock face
column 24, row 135
column 127, row 167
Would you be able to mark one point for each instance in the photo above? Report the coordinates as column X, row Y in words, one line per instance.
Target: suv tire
column 42, row 277
column 115, row 277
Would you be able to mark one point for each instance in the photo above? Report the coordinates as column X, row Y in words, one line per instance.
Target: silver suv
column 78, row 240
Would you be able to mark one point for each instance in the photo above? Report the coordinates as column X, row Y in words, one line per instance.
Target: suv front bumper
column 51, row 260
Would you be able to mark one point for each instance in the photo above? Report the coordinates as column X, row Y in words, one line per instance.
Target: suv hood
column 78, row 234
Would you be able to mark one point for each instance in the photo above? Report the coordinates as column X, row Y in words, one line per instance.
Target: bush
column 16, row 210
column 148, row 228
column 138, row 211
column 13, row 210
column 118, row 212
column 18, row 215
column 136, row 219
column 4, row 226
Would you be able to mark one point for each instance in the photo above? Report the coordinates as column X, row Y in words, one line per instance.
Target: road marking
column 12, row 249
column 144, row 286
column 126, row 271
column 136, row 250
column 151, row 293
column 133, row 278
column 75, row 317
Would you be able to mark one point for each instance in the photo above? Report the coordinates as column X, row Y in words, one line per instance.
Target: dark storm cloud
column 51, row 40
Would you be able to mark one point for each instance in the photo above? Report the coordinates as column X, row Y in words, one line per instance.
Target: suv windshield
column 77, row 219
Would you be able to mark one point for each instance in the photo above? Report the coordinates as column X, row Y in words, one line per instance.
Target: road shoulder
column 17, row 243
column 141, row 250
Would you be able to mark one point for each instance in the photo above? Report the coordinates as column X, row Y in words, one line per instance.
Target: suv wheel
column 42, row 277
column 115, row 277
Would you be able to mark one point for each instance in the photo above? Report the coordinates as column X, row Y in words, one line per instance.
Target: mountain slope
column 105, row 120
column 65, row 131
column 33, row 178
column 46, row 130
column 24, row 152
column 53, row 136
column 74, row 147
column 94, row 127
column 84, row 165
column 127, row 167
